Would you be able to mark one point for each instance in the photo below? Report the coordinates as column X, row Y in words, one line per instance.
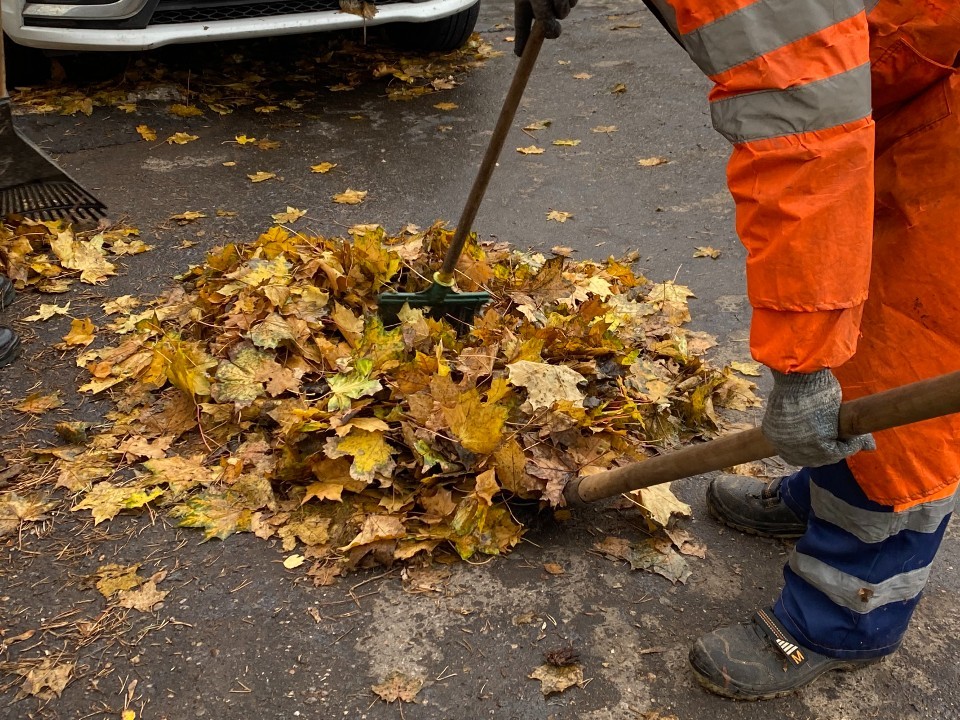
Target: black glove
column 548, row 12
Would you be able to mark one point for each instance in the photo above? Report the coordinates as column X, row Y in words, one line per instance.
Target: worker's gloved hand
column 802, row 418
column 548, row 12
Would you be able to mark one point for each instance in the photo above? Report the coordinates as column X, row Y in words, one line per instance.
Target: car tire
column 441, row 35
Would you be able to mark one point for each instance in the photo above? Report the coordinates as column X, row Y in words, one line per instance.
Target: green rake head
column 443, row 302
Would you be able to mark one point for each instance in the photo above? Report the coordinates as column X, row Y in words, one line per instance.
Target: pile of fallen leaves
column 268, row 76
column 264, row 394
column 49, row 257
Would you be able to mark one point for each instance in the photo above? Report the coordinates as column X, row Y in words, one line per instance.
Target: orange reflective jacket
column 798, row 87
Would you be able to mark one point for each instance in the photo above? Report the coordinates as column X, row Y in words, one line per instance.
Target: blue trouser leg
column 855, row 577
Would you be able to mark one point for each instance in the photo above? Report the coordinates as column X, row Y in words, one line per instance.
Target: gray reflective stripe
column 874, row 527
column 815, row 106
column 853, row 593
column 762, row 27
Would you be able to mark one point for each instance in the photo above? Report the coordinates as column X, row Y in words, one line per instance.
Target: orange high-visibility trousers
column 844, row 117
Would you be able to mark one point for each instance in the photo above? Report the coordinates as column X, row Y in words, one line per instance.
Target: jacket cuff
column 804, row 342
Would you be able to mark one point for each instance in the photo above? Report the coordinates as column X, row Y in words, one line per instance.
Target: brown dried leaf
column 398, row 686
column 555, row 679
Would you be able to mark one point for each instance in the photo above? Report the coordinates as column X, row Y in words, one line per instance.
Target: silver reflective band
column 817, row 105
column 873, row 527
column 853, row 593
column 762, row 27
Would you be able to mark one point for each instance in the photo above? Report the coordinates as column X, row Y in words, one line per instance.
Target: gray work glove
column 802, row 417
column 548, row 12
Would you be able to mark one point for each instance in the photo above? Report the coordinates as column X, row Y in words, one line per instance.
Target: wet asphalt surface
column 241, row 637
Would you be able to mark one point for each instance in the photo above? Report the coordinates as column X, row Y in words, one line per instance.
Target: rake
column 30, row 183
column 922, row 400
column 440, row 297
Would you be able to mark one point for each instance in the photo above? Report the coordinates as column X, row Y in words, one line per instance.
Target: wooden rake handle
column 490, row 157
column 907, row 404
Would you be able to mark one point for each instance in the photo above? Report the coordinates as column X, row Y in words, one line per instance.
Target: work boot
column 9, row 341
column 753, row 506
column 6, row 292
column 9, row 346
column 759, row 660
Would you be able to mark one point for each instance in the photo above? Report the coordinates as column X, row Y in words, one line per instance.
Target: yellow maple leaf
column 16, row 509
column 218, row 513
column 244, row 140
column 81, row 333
column 105, row 500
column 559, row 216
column 266, row 109
column 530, row 150
column 323, row 491
column 267, row 144
column 372, row 455
column 546, row 384
column 122, row 304
column 185, row 365
column 188, row 217
column 238, row 380
column 87, row 256
column 186, row 111
column 114, row 578
column 566, row 143
column 706, row 251
column 618, row 89
column 604, row 129
column 747, row 368
column 261, row 176
column 446, row 106
column 350, row 197
column 651, row 161
column 37, row 403
column 181, row 138
column 291, row 215
column 323, row 167
column 376, row 528
column 47, row 311
column 539, row 125
column 583, row 76
column 478, row 425
column 147, row 133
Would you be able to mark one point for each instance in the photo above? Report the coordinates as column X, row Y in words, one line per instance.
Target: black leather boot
column 9, row 346
column 759, row 660
column 9, row 340
column 6, row 292
column 752, row 506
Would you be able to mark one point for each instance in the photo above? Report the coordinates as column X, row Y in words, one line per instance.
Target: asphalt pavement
column 240, row 636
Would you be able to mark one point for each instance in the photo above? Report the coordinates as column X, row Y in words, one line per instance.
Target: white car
column 145, row 24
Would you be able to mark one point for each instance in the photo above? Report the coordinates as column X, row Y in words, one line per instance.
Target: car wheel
column 444, row 34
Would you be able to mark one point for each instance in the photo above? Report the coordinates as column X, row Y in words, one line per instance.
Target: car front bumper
column 23, row 23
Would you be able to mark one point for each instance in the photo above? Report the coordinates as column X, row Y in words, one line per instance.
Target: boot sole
column 719, row 517
column 727, row 693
